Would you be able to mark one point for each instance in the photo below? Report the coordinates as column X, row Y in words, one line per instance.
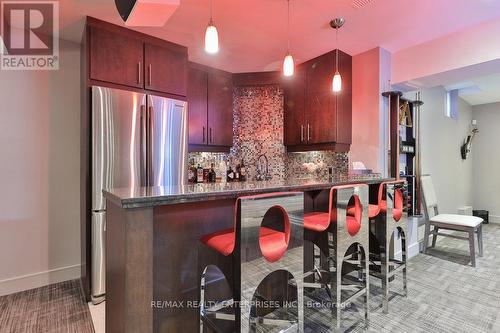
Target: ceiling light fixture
column 288, row 63
column 211, row 35
column 337, row 78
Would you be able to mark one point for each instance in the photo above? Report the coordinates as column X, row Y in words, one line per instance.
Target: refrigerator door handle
column 150, row 145
column 144, row 143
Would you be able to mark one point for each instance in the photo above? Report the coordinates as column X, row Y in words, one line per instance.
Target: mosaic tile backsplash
column 258, row 130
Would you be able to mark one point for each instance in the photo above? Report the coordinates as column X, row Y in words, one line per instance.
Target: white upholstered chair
column 464, row 223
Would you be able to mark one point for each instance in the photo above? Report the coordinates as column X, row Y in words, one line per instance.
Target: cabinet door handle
column 139, row 72
column 210, row 131
column 308, row 132
column 203, row 134
column 150, row 75
column 301, row 133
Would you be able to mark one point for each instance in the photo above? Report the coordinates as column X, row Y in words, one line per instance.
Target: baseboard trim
column 39, row 279
column 413, row 250
column 494, row 219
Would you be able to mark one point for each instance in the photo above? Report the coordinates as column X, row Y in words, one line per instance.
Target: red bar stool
column 336, row 230
column 393, row 217
column 265, row 245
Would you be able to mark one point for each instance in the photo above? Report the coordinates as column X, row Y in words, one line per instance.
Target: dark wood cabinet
column 344, row 101
column 165, row 69
column 220, row 109
column 129, row 58
column 116, row 58
column 294, row 100
column 315, row 117
column 210, row 104
column 197, row 105
column 320, row 115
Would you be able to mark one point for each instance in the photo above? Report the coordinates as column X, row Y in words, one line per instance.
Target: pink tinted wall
column 365, row 109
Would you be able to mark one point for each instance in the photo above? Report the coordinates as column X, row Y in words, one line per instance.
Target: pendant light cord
column 288, row 26
column 337, row 49
column 211, row 12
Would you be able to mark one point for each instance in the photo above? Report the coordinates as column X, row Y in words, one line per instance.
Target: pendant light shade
column 288, row 65
column 337, row 83
column 211, row 35
column 211, row 39
column 337, row 78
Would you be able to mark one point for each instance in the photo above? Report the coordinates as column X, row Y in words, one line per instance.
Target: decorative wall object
column 466, row 146
column 258, row 129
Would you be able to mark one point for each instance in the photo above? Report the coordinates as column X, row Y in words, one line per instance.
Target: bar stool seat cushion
column 319, row 221
column 396, row 212
column 221, row 241
column 273, row 243
column 373, row 211
column 463, row 220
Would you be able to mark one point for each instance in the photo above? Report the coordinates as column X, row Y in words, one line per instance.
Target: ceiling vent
column 358, row 4
column 146, row 13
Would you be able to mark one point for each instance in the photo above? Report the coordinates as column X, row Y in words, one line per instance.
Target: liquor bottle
column 243, row 171
column 206, row 177
column 230, row 174
column 237, row 173
column 212, row 174
column 191, row 171
column 199, row 174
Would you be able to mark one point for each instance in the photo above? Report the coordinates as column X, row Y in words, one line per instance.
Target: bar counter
column 152, row 236
column 157, row 196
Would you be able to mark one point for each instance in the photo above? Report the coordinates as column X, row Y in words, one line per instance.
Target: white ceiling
column 253, row 33
column 481, row 90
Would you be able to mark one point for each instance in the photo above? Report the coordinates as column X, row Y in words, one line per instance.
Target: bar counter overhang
column 151, row 245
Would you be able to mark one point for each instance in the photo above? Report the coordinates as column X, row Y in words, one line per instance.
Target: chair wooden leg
column 480, row 239
column 472, row 248
column 426, row 235
column 435, row 236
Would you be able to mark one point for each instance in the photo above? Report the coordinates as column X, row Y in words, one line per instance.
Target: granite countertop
column 168, row 195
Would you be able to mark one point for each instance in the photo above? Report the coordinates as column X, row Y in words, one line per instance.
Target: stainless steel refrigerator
column 137, row 140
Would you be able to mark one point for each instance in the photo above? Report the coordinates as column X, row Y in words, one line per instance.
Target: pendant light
column 337, row 78
column 211, row 35
column 288, row 63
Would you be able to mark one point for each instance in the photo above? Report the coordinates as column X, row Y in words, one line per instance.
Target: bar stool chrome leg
column 345, row 233
column 393, row 218
column 259, row 262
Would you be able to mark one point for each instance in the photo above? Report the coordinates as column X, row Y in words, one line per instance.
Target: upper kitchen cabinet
column 197, row 105
column 166, row 68
column 315, row 117
column 220, row 108
column 125, row 57
column 344, row 101
column 321, row 122
column 115, row 57
column 294, row 99
column 210, row 105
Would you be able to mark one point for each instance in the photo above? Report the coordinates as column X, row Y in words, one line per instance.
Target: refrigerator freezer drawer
column 98, row 285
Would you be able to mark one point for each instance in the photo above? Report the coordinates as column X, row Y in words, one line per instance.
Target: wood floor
column 445, row 295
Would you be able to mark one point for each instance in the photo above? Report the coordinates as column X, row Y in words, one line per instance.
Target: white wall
column 486, row 158
column 39, row 174
column 441, row 138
